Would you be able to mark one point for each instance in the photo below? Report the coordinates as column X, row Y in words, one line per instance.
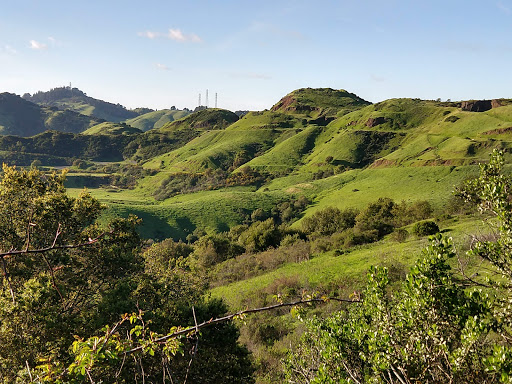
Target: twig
column 28, row 370
column 52, row 274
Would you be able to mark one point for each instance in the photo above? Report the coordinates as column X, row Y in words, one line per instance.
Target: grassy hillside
column 23, row 118
column 75, row 100
column 108, row 128
column 177, row 133
column 156, row 119
column 406, row 149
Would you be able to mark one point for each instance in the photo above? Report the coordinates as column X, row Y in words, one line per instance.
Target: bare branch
column 194, row 329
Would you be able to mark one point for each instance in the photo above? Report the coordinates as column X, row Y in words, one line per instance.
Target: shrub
column 329, row 220
column 425, row 228
column 377, row 216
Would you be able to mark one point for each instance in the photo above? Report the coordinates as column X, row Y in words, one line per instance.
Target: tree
column 57, row 266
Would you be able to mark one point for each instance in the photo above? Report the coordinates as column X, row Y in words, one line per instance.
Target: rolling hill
column 156, row 119
column 24, row 118
column 330, row 146
column 66, row 98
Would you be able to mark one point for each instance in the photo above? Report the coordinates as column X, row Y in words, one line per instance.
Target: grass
column 108, row 128
column 177, row 217
column 156, row 119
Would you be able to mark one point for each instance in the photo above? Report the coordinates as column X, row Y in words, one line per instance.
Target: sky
column 158, row 54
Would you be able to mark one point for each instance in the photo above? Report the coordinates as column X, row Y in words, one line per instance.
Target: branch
column 197, row 327
column 54, row 246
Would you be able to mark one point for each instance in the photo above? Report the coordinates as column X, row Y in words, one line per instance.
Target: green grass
column 178, row 216
column 156, row 119
column 108, row 128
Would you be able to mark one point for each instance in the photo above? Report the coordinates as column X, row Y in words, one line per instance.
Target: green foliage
column 377, row 216
column 425, row 228
column 64, row 278
column 50, row 147
column 330, row 220
column 260, row 236
column 420, row 334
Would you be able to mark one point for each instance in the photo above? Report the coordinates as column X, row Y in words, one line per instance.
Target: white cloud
column 37, row 45
column 172, row 34
column 162, row 67
column 150, row 34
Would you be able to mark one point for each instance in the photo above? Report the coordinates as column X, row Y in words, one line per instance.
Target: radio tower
column 199, row 104
column 206, row 98
column 215, row 99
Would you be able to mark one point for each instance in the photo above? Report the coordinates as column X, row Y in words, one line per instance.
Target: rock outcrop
column 476, row 105
column 374, row 121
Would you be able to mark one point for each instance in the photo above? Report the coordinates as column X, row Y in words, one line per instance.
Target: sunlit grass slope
column 156, row 119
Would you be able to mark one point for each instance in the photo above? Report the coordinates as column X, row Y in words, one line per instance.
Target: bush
column 329, row 220
column 425, row 228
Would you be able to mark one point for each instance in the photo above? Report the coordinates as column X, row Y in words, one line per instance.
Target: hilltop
column 24, row 118
column 66, row 98
column 319, row 102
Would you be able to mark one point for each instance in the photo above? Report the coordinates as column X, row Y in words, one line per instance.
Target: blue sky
column 161, row 53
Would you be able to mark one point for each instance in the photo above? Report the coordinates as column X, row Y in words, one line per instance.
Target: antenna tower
column 215, row 99
column 206, row 98
column 199, row 103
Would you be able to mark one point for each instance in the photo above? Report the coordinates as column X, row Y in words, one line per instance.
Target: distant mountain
column 76, row 100
column 23, row 118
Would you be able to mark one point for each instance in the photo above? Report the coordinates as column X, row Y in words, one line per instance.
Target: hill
column 75, row 100
column 24, row 118
column 112, row 129
column 156, row 119
column 319, row 103
column 329, row 146
column 178, row 133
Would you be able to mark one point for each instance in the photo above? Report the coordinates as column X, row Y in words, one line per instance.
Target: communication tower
column 206, row 99
column 215, row 99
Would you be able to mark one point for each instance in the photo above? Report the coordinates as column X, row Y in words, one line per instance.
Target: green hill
column 112, row 129
column 75, row 100
column 156, row 119
column 176, row 134
column 319, row 102
column 24, row 118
